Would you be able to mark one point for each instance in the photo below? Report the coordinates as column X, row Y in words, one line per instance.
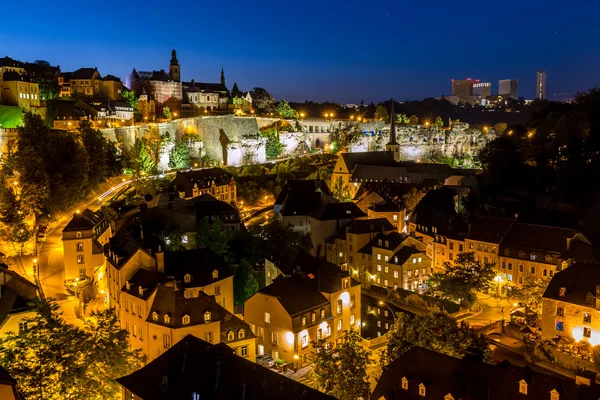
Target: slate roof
column 294, row 186
column 302, row 203
column 296, row 294
column 199, row 263
column 147, row 280
column 206, row 87
column 470, row 378
column 211, row 372
column 9, row 62
column 436, row 209
column 111, row 78
column 490, row 229
column 87, row 219
column 394, row 240
column 208, row 206
column 538, row 237
column 333, row 211
column 579, row 279
column 374, row 225
column 84, row 73
column 404, row 254
column 14, row 76
column 381, row 158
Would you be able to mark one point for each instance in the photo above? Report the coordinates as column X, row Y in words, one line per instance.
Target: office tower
column 462, row 87
column 508, row 87
column 540, row 88
column 483, row 89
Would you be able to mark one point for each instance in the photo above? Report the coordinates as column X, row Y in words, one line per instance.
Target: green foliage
column 214, row 235
column 435, row 331
column 179, row 156
column 244, row 282
column 54, row 360
column 285, row 111
column 262, row 100
column 500, row 128
column 110, row 215
column 104, row 161
column 342, row 370
column 439, row 122
column 462, row 279
column 174, row 241
column 401, row 119
column 530, row 293
column 11, row 117
column 276, row 235
column 273, row 145
column 141, row 158
column 130, row 98
column 413, row 120
column 381, row 113
column 166, row 113
column 45, row 76
column 340, row 190
column 412, row 198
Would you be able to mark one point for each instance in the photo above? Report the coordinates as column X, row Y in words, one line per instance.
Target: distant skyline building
column 540, row 88
column 482, row 89
column 508, row 87
column 463, row 87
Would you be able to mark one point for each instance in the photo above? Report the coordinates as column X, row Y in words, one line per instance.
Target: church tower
column 174, row 71
column 222, row 77
column 392, row 145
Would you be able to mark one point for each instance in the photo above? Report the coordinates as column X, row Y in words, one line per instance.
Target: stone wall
column 221, row 137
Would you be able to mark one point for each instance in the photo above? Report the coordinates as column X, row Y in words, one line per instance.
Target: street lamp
column 381, row 303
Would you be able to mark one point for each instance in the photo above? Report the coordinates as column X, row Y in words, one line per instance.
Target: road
column 493, row 309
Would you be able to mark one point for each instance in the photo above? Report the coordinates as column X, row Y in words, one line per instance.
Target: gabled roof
column 147, row 280
column 202, row 178
column 206, row 87
column 331, row 211
column 10, row 76
column 9, row 62
column 305, row 203
column 393, row 240
column 437, row 210
column 293, row 187
column 490, row 229
column 207, row 205
column 297, row 294
column 405, row 253
column 15, row 293
column 193, row 366
column 538, row 237
column 380, row 158
column 374, row 225
column 84, row 73
column 199, row 264
column 85, row 220
column 578, row 280
column 471, row 378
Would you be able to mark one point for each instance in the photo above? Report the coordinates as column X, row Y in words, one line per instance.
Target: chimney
column 160, row 260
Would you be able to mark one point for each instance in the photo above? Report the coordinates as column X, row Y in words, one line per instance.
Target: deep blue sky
column 344, row 51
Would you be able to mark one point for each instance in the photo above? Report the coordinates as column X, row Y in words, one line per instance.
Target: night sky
column 344, row 51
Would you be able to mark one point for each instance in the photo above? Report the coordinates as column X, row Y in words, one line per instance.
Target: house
column 239, row 101
column 83, row 240
column 85, row 82
column 377, row 317
column 425, row 374
column 570, row 306
column 315, row 301
column 295, row 187
column 16, row 293
column 8, row 386
column 158, row 311
column 203, row 96
column 194, row 369
column 214, row 181
column 207, row 206
column 16, row 86
column 347, row 162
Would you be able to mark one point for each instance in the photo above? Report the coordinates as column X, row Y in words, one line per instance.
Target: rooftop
column 580, row 282
column 195, row 367
column 85, row 220
column 199, row 263
column 295, row 186
column 538, row 237
column 490, row 229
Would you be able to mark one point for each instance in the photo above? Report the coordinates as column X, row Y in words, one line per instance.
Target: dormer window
column 167, row 319
column 241, row 334
column 404, row 383
column 548, row 258
column 522, row 386
column 562, row 291
column 78, row 234
column 140, row 291
column 187, row 278
column 185, row 320
column 154, row 316
column 215, row 274
column 207, row 317
column 387, row 244
column 230, row 336
column 421, row 390
column 127, row 286
column 554, row 395
column 380, row 242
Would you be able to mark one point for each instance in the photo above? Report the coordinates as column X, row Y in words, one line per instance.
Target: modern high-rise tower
column 508, row 88
column 462, row 87
column 540, row 88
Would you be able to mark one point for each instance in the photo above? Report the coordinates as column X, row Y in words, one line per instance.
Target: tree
column 130, row 98
column 214, row 235
column 273, row 145
column 462, row 279
column 413, row 120
column 44, row 75
column 179, row 157
column 166, row 112
column 285, row 111
column 439, row 122
column 262, row 100
column 141, row 158
column 381, row 113
column 341, row 370
column 401, row 119
column 110, row 215
column 52, row 359
column 412, row 198
column 500, row 128
column 244, row 282
column 103, row 159
column 529, row 293
column 340, row 190
column 275, row 235
column 435, row 331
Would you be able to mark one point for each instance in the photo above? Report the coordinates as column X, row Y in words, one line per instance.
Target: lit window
column 267, row 318
column 395, row 274
column 339, row 325
column 378, row 268
column 244, row 351
column 560, row 326
column 523, row 387
column 339, row 306
column 230, row 336
column 208, row 337
column 154, row 316
column 379, row 256
column 386, row 269
column 560, row 311
column 414, row 260
column 313, row 317
column 587, row 332
column 304, row 341
column 79, row 246
column 386, row 258
column 207, row 317
column 352, row 319
column 184, row 239
column 241, row 334
column 167, row 341
column 187, row 278
column 587, row 318
column 167, row 319
column 185, row 320
column 422, row 390
column 79, row 259
column 215, row 274
column 404, row 383
column 217, row 290
column 275, row 337
column 419, row 259
column 303, row 321
column 323, row 313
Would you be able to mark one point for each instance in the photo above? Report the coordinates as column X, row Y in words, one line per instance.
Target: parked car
column 265, row 360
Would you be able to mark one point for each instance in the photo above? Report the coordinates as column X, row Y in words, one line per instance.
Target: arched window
column 167, row 319
column 187, row 278
column 78, row 235
column 185, row 320
column 215, row 274
column 207, row 317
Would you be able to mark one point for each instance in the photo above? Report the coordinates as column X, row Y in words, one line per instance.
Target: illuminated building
column 315, row 301
column 16, row 87
column 508, row 88
column 540, row 87
column 214, row 181
column 16, row 295
column 463, row 87
column 482, row 89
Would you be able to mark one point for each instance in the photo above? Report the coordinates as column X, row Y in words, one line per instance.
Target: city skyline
column 268, row 46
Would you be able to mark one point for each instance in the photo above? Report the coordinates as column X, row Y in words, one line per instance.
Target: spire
column 392, row 124
column 174, row 60
column 222, row 76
